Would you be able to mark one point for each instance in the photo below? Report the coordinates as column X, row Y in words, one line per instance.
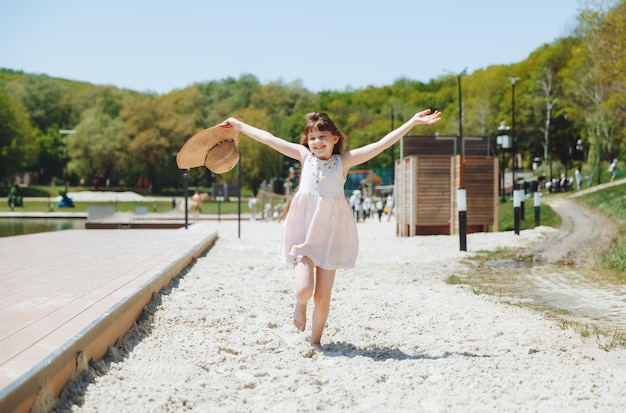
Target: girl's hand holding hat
column 231, row 123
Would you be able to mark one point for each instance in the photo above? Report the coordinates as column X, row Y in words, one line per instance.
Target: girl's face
column 321, row 143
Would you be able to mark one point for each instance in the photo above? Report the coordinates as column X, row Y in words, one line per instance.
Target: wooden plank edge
column 49, row 377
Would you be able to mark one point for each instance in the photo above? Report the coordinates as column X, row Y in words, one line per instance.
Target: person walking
column 252, row 206
column 613, row 169
column 196, row 205
column 579, row 178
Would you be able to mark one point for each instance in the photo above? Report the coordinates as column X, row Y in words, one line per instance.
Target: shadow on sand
column 343, row 349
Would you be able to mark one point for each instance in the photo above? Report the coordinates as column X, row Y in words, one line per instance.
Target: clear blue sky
column 160, row 45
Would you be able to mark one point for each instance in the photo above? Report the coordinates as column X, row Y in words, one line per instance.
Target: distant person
column 319, row 234
column 389, row 206
column 267, row 211
column 613, row 169
column 579, row 178
column 14, row 197
column 196, row 202
column 562, row 183
column 355, row 203
column 541, row 182
column 379, row 208
column 367, row 207
column 252, row 206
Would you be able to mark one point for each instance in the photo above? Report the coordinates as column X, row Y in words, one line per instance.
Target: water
column 561, row 274
column 19, row 226
column 560, row 288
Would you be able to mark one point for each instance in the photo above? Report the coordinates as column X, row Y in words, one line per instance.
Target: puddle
column 559, row 289
column 508, row 263
column 556, row 275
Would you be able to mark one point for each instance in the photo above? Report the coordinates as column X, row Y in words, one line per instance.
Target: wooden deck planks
column 60, row 286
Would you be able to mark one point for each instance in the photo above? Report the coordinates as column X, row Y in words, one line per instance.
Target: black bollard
column 516, row 210
column 219, row 199
column 537, row 209
column 522, row 197
column 462, row 205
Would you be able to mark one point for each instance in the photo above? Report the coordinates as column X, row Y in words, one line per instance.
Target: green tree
column 52, row 158
column 78, row 102
column 98, row 150
column 149, row 150
column 18, row 139
column 484, row 93
column 587, row 87
column 224, row 98
column 286, row 107
column 280, row 101
column 612, row 73
column 258, row 161
column 179, row 115
column 41, row 95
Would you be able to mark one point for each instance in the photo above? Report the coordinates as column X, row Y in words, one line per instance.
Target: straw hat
column 215, row 148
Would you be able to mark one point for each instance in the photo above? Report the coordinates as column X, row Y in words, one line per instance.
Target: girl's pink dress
column 320, row 224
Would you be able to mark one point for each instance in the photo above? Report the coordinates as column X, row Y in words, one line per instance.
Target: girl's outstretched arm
column 290, row 149
column 365, row 153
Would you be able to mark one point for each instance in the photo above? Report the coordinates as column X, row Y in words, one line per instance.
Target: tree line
column 569, row 100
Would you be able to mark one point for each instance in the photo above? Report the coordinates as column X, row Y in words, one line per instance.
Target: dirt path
column 557, row 274
column 583, row 235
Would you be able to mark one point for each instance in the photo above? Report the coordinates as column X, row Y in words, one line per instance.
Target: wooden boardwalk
column 75, row 292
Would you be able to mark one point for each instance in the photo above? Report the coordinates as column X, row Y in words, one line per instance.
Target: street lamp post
column 503, row 142
column 186, row 191
column 458, row 77
column 66, row 132
column 546, row 148
column 392, row 128
column 239, row 197
column 513, row 148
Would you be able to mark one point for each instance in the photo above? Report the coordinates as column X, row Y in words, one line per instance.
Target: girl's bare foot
column 317, row 347
column 299, row 317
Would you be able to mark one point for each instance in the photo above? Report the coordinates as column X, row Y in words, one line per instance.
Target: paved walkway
column 69, row 295
column 151, row 215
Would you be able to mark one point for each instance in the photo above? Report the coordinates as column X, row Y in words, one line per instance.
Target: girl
column 319, row 234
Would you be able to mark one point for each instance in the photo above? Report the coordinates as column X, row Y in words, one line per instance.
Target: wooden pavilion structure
column 427, row 178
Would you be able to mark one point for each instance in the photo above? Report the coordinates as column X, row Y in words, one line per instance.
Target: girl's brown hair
column 322, row 122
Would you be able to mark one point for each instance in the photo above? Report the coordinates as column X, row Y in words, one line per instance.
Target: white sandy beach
column 398, row 339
